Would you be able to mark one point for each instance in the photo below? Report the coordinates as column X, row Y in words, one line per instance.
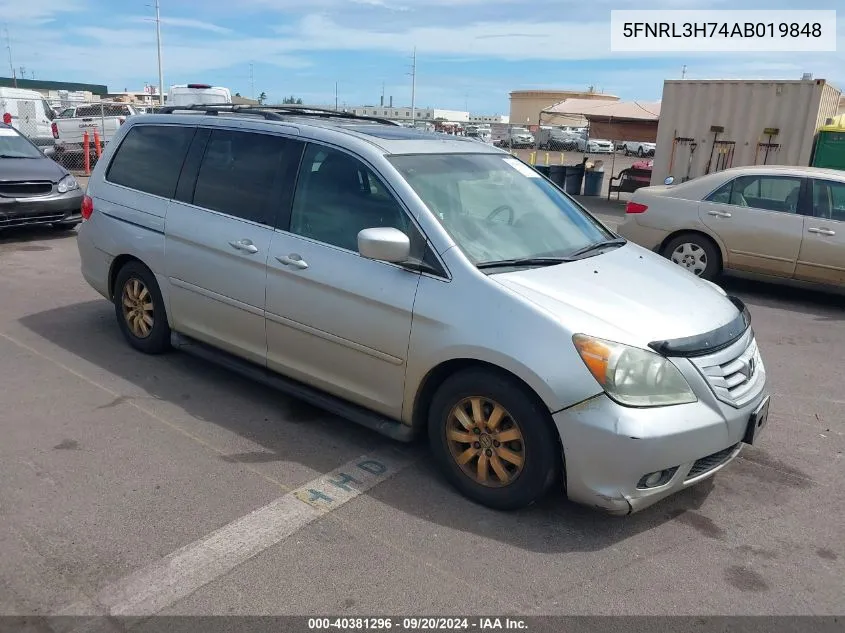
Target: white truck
column 70, row 126
column 195, row 94
column 638, row 148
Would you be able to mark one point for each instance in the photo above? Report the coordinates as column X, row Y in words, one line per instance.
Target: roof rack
column 271, row 113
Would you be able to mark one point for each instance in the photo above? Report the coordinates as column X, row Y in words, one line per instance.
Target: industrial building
column 59, row 93
column 526, row 105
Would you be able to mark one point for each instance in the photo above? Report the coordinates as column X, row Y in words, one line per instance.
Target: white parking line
column 177, row 575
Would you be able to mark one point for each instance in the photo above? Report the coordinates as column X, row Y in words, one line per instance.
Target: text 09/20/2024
column 480, row 624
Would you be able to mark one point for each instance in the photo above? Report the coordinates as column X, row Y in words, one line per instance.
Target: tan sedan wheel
column 486, row 442
column 695, row 252
column 494, row 439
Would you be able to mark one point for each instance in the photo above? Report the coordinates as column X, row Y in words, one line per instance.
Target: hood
column 639, row 296
column 15, row 169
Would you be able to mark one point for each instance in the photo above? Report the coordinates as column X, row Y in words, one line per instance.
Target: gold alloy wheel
column 137, row 307
column 485, row 441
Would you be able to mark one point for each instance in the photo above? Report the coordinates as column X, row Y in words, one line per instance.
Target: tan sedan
column 784, row 223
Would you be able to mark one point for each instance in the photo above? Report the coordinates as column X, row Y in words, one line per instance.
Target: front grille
column 25, row 219
column 736, row 374
column 706, row 464
column 25, row 189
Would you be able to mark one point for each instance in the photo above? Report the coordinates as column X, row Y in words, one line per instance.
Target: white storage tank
column 707, row 126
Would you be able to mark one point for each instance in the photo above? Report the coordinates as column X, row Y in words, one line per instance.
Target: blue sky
column 470, row 53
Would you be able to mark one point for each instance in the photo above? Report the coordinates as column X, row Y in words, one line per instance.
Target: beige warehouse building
column 526, row 105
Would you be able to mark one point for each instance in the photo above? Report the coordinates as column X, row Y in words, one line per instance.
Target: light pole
column 158, row 41
column 414, row 87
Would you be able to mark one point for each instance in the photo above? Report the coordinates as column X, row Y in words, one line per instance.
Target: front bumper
column 609, row 448
column 54, row 207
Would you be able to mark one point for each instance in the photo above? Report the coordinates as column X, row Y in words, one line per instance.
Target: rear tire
column 493, row 441
column 696, row 253
column 139, row 309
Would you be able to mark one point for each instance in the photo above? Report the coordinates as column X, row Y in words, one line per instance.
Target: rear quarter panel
column 126, row 222
column 667, row 216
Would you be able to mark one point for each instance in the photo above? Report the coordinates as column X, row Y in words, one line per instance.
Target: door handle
column 293, row 260
column 720, row 214
column 244, row 245
column 821, row 231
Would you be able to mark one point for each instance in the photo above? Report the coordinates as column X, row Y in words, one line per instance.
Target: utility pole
column 684, row 72
column 414, row 86
column 11, row 65
column 335, row 96
column 252, row 81
column 158, row 42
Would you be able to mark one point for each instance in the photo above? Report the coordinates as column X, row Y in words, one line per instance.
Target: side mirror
column 384, row 244
column 669, row 180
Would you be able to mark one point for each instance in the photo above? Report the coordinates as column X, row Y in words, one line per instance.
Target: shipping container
column 708, row 126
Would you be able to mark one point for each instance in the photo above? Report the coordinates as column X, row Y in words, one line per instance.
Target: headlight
column 632, row 376
column 68, row 183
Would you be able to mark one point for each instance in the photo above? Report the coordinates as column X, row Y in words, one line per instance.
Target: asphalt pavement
column 136, row 485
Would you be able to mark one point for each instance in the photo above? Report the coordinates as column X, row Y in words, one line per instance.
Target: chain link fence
column 73, row 134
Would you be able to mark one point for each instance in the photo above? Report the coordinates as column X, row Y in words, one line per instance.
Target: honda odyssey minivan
column 423, row 285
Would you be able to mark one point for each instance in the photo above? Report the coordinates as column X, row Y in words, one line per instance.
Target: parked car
column 418, row 283
column 594, row 146
column 638, row 148
column 30, row 114
column 786, row 223
column 519, row 137
column 33, row 188
column 556, row 139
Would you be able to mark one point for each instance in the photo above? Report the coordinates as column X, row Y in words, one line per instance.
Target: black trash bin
column 557, row 174
column 544, row 169
column 574, row 179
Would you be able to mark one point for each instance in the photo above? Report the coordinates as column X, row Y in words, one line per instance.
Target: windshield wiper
column 595, row 246
column 524, row 261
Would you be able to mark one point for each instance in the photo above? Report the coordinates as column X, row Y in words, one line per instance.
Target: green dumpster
column 829, row 151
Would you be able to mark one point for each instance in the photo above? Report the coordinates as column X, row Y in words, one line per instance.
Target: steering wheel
column 501, row 209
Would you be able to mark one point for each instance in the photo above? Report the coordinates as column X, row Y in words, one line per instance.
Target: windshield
column 498, row 208
column 13, row 145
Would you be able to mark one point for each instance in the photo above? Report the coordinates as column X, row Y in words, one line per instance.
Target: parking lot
column 133, row 485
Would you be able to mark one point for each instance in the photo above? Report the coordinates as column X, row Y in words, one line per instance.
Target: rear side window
column 239, row 171
column 150, row 158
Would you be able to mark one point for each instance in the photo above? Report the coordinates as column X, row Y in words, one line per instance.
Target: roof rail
column 272, row 113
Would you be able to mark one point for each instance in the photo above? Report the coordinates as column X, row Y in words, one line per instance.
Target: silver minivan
column 422, row 284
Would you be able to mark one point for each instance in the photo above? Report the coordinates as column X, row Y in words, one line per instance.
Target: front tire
column 139, row 309
column 695, row 253
column 494, row 442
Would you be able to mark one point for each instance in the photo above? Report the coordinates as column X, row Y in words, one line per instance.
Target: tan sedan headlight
column 632, row 376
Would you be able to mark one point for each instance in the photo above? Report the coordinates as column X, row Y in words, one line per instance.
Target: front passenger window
column 338, row 196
